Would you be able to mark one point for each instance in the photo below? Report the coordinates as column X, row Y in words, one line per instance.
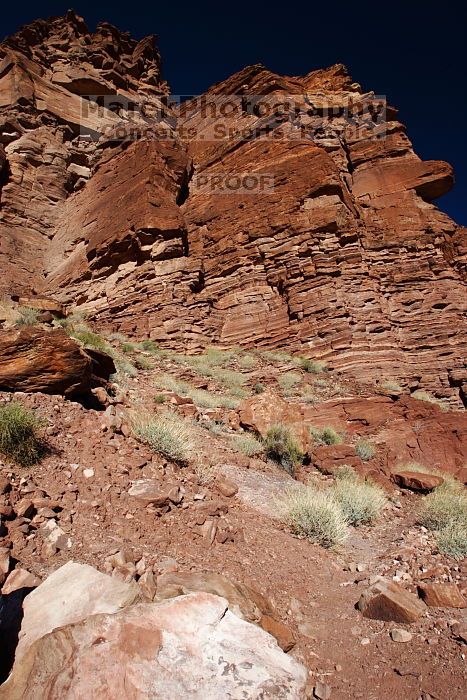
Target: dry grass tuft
column 281, row 446
column 247, row 444
column 314, row 514
column 361, row 500
column 20, row 440
column 445, row 511
column 326, row 435
column 167, row 434
column 365, row 449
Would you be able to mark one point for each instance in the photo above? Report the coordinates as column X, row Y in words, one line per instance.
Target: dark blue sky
column 412, row 51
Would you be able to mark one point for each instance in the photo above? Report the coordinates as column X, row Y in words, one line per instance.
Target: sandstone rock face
column 32, row 359
column 81, row 643
column 343, row 258
column 405, row 431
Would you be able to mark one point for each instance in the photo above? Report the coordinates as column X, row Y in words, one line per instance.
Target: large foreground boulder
column 192, row 646
column 33, row 359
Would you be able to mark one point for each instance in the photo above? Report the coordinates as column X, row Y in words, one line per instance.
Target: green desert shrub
column 360, row 500
column 390, row 385
column 281, row 446
column 276, row 356
column 160, row 398
column 167, row 434
column 217, row 357
column 90, row 339
column 326, row 435
column 247, row 361
column 20, row 439
column 28, row 316
column 247, row 444
column 312, row 366
column 365, row 450
column 142, row 362
column 200, row 397
column 314, row 513
column 423, row 395
column 258, row 388
column 149, row 346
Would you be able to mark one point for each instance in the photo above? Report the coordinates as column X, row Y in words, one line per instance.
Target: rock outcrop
column 100, row 645
column 33, row 359
column 119, row 203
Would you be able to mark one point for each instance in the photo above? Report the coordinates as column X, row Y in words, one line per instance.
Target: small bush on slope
column 312, row 366
column 247, row 444
column 29, row 317
column 288, row 381
column 314, row 514
column 323, row 515
column 452, row 540
column 361, row 500
column 326, row 435
column 365, row 450
column 166, row 434
column 443, row 507
column 200, row 397
column 445, row 511
column 281, row 446
column 19, row 434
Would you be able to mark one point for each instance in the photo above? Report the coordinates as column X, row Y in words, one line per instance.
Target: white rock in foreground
column 191, row 646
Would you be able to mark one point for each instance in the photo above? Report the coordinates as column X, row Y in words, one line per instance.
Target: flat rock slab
column 257, row 489
column 417, row 481
column 152, row 491
column 388, row 601
column 442, row 595
column 190, row 647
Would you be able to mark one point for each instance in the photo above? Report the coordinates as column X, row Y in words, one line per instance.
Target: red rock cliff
column 344, row 257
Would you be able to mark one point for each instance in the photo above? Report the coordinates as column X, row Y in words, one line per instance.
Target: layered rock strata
column 119, row 202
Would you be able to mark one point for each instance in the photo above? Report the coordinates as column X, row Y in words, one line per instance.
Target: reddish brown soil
column 313, row 590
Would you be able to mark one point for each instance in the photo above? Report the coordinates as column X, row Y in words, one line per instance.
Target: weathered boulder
column 192, row 646
column 150, row 491
column 33, row 359
column 388, row 601
column 403, row 431
column 442, row 595
column 260, row 413
column 417, row 481
column 83, row 632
